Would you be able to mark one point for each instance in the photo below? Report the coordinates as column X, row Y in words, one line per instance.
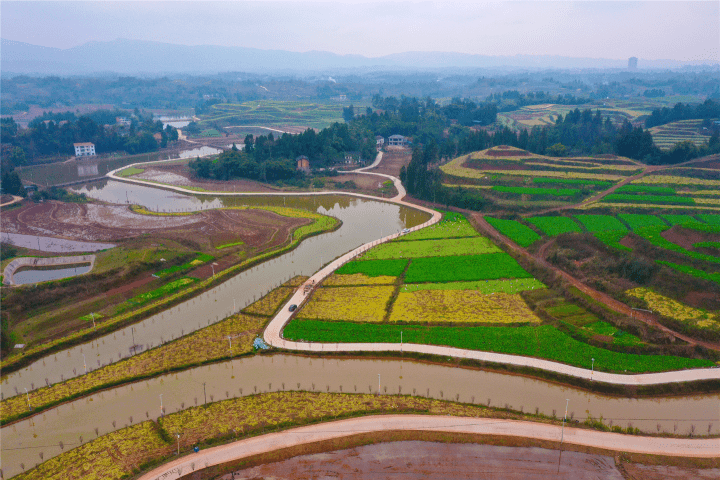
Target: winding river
column 363, row 221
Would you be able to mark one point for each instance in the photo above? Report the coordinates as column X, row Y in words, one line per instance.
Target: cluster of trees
column 55, row 136
column 267, row 158
column 708, row 109
column 654, row 93
column 513, row 99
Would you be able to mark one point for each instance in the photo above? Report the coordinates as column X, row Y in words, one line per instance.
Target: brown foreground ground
column 410, row 460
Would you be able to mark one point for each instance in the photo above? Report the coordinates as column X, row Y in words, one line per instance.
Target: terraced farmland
column 665, row 136
column 276, row 114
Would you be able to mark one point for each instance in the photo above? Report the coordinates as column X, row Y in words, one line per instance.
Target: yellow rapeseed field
column 355, row 304
column 269, row 304
column 113, row 456
column 358, row 279
column 201, row 346
column 460, row 306
column 674, row 309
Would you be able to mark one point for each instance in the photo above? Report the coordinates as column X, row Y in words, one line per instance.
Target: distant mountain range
column 143, row 57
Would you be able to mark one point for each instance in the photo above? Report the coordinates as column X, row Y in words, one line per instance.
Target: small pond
column 33, row 275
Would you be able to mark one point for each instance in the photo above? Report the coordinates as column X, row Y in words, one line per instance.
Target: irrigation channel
column 363, row 221
column 110, row 410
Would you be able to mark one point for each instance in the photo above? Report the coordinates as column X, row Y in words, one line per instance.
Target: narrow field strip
column 486, row 287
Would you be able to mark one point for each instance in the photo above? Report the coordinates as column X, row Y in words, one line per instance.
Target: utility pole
column 592, row 371
column 204, row 392
column 161, row 406
column 84, row 363
column 178, row 437
column 28, row 399
column 378, row 384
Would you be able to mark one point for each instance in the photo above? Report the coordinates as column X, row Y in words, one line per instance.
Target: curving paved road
column 676, row 447
column 273, row 332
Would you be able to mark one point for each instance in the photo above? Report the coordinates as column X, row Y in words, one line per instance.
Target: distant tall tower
column 632, row 63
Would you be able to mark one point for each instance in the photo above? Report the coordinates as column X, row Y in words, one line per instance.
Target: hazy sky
column 607, row 29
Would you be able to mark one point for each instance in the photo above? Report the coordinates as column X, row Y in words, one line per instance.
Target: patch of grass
column 490, row 266
column 482, row 286
column 357, row 304
column 564, row 310
column 374, row 268
column 542, row 341
column 169, row 288
column 199, row 260
column 460, row 306
column 555, row 192
column 554, row 226
column 129, row 172
column 514, row 230
column 451, row 225
column 431, row 248
column 228, row 245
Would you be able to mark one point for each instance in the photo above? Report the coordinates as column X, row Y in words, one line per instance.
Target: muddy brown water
column 24, row 441
column 363, row 221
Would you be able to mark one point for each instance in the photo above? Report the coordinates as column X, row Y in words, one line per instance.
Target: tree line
column 660, row 116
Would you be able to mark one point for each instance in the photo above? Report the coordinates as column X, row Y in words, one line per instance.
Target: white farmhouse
column 84, row 149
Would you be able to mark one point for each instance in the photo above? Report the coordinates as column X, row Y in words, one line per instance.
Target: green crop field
column 451, row 225
column 572, row 181
column 712, row 277
column 543, row 341
column 678, row 219
column 374, row 268
column 270, row 113
column 665, row 136
column 640, row 199
column 553, row 226
column 601, row 223
column 711, row 219
column 514, row 230
column 483, row 286
column 645, row 189
column 432, row 248
column 636, row 221
column 490, row 266
column 555, row 192
column 653, row 234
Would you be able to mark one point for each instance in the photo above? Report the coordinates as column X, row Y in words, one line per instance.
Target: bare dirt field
column 431, row 460
column 92, row 222
column 393, row 160
column 182, row 176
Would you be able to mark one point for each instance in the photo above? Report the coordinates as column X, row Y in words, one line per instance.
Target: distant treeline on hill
column 661, row 116
column 513, row 99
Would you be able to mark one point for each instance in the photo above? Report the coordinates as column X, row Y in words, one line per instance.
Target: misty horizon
column 686, row 32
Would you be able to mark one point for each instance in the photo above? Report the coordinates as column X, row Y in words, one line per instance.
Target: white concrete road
column 273, row 332
column 676, row 447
